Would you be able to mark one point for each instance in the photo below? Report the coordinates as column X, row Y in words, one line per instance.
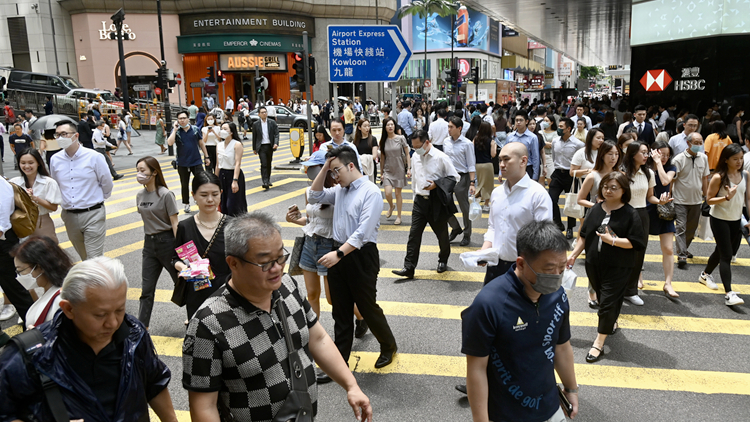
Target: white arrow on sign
column 402, row 53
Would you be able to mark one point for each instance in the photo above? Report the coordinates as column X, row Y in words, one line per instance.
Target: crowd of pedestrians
column 248, row 324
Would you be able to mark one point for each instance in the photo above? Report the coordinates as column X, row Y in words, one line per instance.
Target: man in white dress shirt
column 439, row 129
column 580, row 115
column 85, row 182
column 515, row 203
column 429, row 166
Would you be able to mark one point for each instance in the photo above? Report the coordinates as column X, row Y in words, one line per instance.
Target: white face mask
column 420, row 151
column 223, row 134
column 28, row 281
column 64, row 143
column 210, row 122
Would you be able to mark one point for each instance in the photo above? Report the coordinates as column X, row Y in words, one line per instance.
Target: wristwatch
column 235, row 180
column 339, row 253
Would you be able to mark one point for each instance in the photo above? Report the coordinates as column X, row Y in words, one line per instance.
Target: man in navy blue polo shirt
column 189, row 146
column 516, row 334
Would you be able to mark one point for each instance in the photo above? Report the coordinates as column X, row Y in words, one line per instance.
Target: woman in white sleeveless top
column 229, row 152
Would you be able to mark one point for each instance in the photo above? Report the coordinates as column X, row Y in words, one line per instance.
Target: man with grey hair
column 690, row 185
column 235, row 353
column 101, row 359
column 516, row 333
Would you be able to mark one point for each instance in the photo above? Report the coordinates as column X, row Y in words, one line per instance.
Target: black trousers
column 211, row 150
column 610, row 284
column 354, row 281
column 422, row 213
column 640, row 256
column 265, row 153
column 495, row 271
column 461, row 192
column 48, row 156
column 184, row 173
column 103, row 151
column 561, row 181
column 727, row 235
column 18, row 296
column 157, row 252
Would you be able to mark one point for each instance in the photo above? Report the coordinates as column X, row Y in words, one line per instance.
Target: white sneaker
column 732, row 299
column 635, row 300
column 187, row 208
column 708, row 280
column 7, row 312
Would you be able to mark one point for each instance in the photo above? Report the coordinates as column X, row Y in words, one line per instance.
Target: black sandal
column 614, row 329
column 591, row 358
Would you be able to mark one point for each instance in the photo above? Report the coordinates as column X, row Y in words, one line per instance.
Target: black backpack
column 28, row 343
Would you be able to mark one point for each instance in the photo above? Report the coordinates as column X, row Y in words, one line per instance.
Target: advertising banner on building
column 471, row 31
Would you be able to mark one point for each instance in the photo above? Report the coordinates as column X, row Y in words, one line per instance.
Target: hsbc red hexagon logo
column 656, row 80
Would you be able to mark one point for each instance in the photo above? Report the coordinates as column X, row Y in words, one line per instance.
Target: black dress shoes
column 360, row 328
column 118, row 176
column 454, row 234
column 442, row 267
column 465, row 241
column 385, row 358
column 321, row 377
column 569, row 234
column 591, row 358
column 265, row 187
column 461, row 388
column 406, row 273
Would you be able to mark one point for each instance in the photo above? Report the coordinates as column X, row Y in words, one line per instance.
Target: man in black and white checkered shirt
column 235, row 354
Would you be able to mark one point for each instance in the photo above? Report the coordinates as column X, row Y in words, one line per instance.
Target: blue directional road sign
column 366, row 53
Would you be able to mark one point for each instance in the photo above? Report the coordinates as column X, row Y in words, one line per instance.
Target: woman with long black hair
column 42, row 189
column 229, row 152
column 642, row 184
column 727, row 194
column 660, row 163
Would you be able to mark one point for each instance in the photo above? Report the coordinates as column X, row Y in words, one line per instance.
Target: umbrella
column 50, row 121
column 342, row 98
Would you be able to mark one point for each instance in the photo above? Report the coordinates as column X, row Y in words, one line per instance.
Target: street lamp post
column 117, row 19
column 162, row 76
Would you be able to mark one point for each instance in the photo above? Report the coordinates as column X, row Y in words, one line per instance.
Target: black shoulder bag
column 298, row 405
column 28, row 343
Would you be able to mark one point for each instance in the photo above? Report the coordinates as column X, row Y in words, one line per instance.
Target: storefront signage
column 690, row 84
column 243, row 22
column 106, row 31
column 244, row 43
column 248, row 61
column 656, row 80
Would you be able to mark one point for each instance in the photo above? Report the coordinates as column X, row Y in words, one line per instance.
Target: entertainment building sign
column 256, row 23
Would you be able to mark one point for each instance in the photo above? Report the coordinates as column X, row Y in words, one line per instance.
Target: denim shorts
column 314, row 249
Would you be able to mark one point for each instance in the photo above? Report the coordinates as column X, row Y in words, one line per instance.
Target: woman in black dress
column 611, row 234
column 206, row 230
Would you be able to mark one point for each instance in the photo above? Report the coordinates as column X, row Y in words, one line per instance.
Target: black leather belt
column 81, row 210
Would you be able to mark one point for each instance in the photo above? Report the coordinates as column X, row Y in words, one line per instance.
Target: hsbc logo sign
column 656, row 80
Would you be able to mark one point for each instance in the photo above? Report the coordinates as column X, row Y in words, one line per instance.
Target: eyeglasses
column 267, row 266
column 613, row 188
column 335, row 172
column 63, row 134
column 18, row 272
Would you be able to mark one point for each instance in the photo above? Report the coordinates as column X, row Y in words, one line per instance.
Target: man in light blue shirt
column 523, row 135
column 355, row 263
column 679, row 142
column 461, row 152
column 406, row 120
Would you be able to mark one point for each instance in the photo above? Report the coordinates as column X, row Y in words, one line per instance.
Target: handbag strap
column 296, row 372
column 216, row 232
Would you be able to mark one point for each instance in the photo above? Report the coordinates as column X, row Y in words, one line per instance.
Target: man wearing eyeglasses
column 355, row 262
column 679, row 142
column 85, row 182
column 235, row 352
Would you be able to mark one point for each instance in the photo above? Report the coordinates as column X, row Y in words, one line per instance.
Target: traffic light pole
column 306, row 63
column 162, row 78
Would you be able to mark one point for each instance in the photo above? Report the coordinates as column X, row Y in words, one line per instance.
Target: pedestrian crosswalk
column 429, row 307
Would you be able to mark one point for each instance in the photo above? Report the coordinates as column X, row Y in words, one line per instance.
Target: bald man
column 518, row 201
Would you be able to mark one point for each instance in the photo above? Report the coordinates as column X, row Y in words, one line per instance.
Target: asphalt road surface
column 672, row 360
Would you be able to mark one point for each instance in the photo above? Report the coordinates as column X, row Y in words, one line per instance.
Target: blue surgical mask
column 544, row 125
column 696, row 148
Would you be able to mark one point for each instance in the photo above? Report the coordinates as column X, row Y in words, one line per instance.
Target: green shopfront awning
column 232, row 43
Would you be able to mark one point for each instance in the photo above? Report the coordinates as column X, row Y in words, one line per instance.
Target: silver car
column 285, row 118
